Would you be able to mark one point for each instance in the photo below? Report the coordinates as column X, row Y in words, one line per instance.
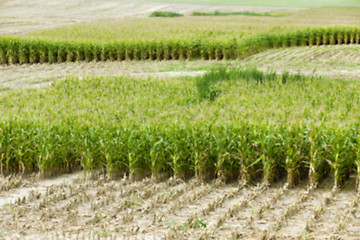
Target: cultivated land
column 114, row 125
column 174, row 209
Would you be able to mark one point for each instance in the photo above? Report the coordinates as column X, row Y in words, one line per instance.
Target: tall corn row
column 224, row 152
column 17, row 50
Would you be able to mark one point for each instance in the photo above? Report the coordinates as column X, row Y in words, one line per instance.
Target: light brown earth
column 75, row 207
column 18, row 17
column 340, row 61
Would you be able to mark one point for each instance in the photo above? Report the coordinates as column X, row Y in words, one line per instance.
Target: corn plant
column 96, row 52
column 356, row 149
column 70, row 53
column 53, row 53
column 88, row 51
column 332, row 37
column 339, row 36
column 319, row 33
column 80, row 52
column 3, row 51
column 248, row 152
column 211, row 49
column 136, row 51
column 229, row 49
column 24, row 52
column 43, row 52
column 353, row 36
column 340, row 159
column 34, row 52
column 175, row 50
column 193, row 50
column 120, row 51
column 161, row 48
column 13, row 51
column 326, row 37
column 62, row 52
column 318, row 166
column 357, row 38
column 312, row 38
column 347, row 36
column 227, row 163
column 294, row 162
column 152, row 49
column 182, row 50
column 271, row 158
column 166, row 48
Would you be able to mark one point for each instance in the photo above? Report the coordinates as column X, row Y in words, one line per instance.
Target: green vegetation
column 258, row 125
column 254, row 14
column 19, row 50
column 205, row 83
column 166, row 14
column 216, row 13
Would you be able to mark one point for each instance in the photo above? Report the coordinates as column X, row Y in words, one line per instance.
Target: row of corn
column 233, row 151
column 19, row 50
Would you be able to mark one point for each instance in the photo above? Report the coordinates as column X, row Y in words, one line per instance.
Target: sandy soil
column 74, row 207
column 21, row 16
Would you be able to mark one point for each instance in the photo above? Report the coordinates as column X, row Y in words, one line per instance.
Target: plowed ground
column 74, row 207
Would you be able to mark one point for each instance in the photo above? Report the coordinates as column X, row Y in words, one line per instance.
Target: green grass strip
column 165, row 14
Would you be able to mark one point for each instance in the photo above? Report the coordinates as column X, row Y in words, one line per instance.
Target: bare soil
column 73, row 206
column 18, row 17
column 340, row 61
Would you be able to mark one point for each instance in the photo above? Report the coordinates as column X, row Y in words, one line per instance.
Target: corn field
column 245, row 125
column 19, row 50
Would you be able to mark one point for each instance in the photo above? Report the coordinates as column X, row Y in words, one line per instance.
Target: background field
column 184, row 28
column 269, row 3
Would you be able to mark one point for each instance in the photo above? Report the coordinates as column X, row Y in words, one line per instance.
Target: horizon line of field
column 20, row 50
